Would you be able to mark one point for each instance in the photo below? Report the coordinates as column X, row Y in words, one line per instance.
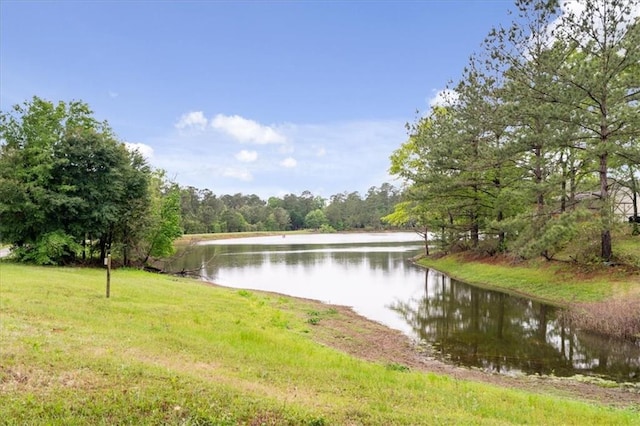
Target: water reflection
column 465, row 324
column 500, row 333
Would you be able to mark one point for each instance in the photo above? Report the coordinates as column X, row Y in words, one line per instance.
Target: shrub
column 54, row 248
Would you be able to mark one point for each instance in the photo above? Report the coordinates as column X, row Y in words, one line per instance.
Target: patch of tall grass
column 617, row 318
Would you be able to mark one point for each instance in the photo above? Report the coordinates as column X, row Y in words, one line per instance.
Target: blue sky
column 257, row 97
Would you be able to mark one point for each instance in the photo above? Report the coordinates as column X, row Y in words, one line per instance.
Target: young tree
column 163, row 221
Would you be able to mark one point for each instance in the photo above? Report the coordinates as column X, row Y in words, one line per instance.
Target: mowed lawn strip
column 164, row 350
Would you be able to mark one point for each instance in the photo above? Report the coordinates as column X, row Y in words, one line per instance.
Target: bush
column 327, row 229
column 585, row 246
column 54, row 248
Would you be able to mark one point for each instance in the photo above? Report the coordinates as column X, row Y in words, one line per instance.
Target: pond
column 373, row 274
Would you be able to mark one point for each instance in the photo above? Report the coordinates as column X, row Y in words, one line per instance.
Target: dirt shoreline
column 349, row 332
column 363, row 338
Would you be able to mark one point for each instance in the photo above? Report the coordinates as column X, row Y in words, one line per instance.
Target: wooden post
column 107, row 262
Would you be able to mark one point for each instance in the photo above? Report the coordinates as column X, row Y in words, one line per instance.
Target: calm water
column 372, row 273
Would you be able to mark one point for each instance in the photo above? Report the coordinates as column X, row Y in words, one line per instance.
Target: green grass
column 163, row 350
column 549, row 282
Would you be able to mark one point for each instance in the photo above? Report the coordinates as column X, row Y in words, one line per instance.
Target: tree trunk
column 475, row 227
column 426, row 241
column 563, row 199
column 605, row 236
column 538, row 179
column 501, row 234
column 634, row 198
column 103, row 247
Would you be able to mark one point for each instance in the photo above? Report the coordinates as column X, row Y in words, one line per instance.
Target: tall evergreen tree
column 601, row 41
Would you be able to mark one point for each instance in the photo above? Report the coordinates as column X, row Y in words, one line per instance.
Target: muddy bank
column 360, row 337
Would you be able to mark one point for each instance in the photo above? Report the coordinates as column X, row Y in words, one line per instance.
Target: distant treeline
column 204, row 212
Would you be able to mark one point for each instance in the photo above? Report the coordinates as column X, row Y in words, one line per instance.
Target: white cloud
column 145, row 150
column 235, row 173
column 329, row 158
column 445, row 97
column 113, row 94
column 289, row 163
column 245, row 130
column 247, row 156
column 193, row 119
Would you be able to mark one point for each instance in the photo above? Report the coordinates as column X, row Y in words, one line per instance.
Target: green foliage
column 50, row 249
column 315, row 219
column 68, row 188
column 540, row 125
column 204, row 212
column 327, row 229
column 584, row 246
column 163, row 225
column 532, row 236
column 394, row 366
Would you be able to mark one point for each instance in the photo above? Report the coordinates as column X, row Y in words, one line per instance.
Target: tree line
column 536, row 147
column 202, row 211
column 71, row 192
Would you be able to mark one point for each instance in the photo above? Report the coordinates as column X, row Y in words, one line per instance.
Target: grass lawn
column 164, row 350
column 558, row 283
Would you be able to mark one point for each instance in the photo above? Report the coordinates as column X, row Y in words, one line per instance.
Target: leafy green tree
column 538, row 137
column 163, row 222
column 415, row 215
column 379, row 202
column 195, row 218
column 233, row 221
column 73, row 184
column 335, row 211
column 28, row 196
column 419, row 162
column 279, row 219
column 315, row 219
column 298, row 207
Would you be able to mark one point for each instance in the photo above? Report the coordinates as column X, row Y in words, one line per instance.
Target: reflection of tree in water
column 606, row 355
column 378, row 260
column 497, row 332
column 197, row 260
column 306, row 256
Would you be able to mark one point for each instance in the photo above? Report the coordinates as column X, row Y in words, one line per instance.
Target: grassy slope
column 552, row 282
column 166, row 350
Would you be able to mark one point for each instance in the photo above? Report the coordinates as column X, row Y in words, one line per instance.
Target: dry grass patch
column 617, row 318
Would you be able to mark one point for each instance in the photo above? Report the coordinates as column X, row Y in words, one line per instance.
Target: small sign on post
column 107, row 262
